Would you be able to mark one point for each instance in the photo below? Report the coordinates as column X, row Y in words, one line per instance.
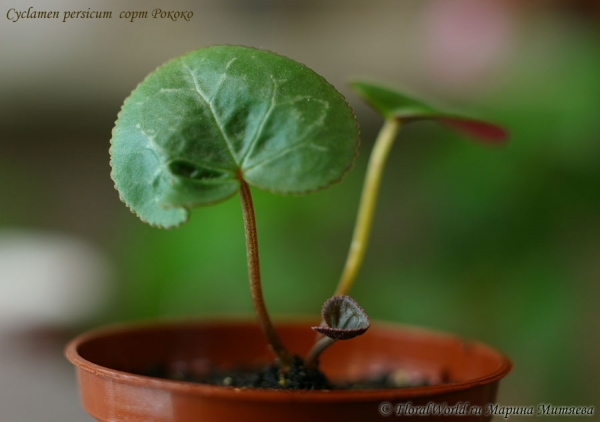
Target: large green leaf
column 202, row 122
column 392, row 104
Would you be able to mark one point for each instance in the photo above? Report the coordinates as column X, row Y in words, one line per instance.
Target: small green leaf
column 392, row 104
column 202, row 122
column 344, row 317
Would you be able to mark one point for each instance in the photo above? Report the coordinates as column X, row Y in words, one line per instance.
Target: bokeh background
column 497, row 244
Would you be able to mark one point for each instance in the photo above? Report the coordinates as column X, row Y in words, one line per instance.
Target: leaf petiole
column 258, row 301
column 368, row 200
column 312, row 359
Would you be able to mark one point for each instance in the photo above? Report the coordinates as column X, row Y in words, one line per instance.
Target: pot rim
column 72, row 354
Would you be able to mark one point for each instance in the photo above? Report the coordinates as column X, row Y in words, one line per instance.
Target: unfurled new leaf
column 344, row 318
column 201, row 123
column 392, row 104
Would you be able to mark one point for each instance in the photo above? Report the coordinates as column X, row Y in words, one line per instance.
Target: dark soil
column 298, row 377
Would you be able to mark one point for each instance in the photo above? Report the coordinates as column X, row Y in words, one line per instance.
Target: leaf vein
column 261, row 124
column 284, row 151
column 204, row 99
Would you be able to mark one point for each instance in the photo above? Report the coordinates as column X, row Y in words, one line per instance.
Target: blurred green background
column 500, row 244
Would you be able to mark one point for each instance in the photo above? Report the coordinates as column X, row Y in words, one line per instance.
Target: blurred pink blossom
column 466, row 41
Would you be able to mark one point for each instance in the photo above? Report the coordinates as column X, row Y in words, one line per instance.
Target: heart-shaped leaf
column 344, row 317
column 202, row 122
column 391, row 103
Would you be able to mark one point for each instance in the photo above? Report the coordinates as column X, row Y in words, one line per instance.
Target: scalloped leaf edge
column 187, row 210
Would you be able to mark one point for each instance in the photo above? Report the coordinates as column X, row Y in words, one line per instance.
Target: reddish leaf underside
column 485, row 132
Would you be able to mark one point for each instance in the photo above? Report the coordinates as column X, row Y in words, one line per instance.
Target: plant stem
column 254, row 277
column 312, row 359
column 368, row 199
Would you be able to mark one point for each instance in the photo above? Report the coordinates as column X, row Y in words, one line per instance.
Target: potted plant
column 202, row 128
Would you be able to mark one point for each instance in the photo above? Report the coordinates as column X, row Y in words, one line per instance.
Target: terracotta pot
column 109, row 392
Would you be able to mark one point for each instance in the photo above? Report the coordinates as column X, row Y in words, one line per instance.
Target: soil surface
column 298, row 377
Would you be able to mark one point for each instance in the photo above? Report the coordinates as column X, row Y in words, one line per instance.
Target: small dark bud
column 344, row 319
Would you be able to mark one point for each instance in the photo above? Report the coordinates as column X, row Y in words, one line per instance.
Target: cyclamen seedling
column 214, row 122
column 208, row 124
